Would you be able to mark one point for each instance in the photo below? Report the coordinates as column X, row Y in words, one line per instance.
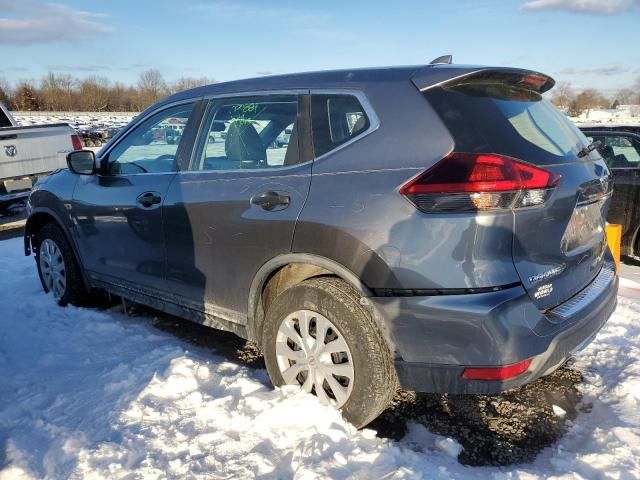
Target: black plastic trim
column 431, row 292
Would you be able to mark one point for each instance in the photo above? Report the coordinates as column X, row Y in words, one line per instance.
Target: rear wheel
column 57, row 267
column 318, row 336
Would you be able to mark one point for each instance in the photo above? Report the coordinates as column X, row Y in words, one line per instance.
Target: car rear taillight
column 75, row 141
column 496, row 373
column 464, row 182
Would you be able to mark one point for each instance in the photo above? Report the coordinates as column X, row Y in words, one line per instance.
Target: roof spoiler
column 444, row 75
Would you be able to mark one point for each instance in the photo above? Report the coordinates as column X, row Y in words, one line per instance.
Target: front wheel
column 57, row 267
column 318, row 336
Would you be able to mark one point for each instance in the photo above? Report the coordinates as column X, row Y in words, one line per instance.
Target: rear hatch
column 559, row 243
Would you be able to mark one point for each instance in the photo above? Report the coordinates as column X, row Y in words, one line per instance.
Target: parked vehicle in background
column 27, row 153
column 436, row 226
column 620, row 148
column 96, row 136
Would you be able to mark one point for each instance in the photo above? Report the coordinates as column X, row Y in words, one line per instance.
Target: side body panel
column 356, row 216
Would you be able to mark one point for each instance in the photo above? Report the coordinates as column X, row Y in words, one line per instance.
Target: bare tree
column 562, row 95
column 5, row 93
column 624, row 96
column 185, row 83
column 151, row 86
column 588, row 99
column 57, row 91
column 94, row 94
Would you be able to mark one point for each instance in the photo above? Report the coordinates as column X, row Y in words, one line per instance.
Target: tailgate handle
column 9, row 137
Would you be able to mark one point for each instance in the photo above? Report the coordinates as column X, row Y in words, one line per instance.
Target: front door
column 118, row 213
column 236, row 207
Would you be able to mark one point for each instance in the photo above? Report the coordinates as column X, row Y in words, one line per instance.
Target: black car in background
column 620, row 148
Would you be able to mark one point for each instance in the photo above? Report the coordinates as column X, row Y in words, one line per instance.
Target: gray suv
column 436, row 227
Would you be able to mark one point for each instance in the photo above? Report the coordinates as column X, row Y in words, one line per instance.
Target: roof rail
column 444, row 59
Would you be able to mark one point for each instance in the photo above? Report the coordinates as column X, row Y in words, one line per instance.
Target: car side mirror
column 82, row 162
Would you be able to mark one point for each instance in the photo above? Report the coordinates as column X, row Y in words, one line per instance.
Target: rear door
column 558, row 247
column 237, row 205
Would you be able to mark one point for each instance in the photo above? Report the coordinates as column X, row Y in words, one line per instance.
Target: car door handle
column 149, row 199
column 271, row 200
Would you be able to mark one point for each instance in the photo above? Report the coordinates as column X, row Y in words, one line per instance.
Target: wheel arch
column 38, row 218
column 288, row 270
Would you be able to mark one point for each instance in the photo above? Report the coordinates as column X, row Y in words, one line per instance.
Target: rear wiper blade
column 589, row 148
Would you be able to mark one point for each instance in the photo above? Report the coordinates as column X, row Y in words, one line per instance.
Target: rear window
column 4, row 120
column 336, row 119
column 506, row 120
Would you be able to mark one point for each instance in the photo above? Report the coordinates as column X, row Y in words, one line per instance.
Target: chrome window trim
column 374, row 123
column 138, row 120
column 247, row 170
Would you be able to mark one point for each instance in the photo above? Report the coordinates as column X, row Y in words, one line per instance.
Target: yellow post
column 614, row 238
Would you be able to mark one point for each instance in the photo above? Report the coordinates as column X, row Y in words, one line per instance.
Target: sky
column 590, row 43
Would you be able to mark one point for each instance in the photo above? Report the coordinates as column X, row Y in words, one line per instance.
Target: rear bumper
column 435, row 338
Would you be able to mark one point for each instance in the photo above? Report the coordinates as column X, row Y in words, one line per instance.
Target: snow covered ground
column 96, row 394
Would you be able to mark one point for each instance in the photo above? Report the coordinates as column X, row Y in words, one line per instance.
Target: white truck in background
column 27, row 153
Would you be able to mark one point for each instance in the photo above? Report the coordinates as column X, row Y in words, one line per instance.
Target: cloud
column 32, row 22
column 593, row 7
column 607, row 70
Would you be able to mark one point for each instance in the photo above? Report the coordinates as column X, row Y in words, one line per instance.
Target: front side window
column 336, row 119
column 152, row 146
column 249, row 133
column 618, row 151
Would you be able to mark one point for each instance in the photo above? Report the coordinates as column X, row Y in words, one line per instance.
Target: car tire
column 58, row 268
column 369, row 380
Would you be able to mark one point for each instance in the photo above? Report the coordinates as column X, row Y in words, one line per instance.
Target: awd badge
column 543, row 291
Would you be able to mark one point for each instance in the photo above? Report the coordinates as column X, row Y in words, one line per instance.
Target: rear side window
column 336, row 119
column 506, row 120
